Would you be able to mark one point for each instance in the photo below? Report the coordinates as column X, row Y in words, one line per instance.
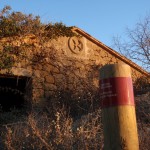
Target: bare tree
column 137, row 48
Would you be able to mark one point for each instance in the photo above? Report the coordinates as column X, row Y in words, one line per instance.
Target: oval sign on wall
column 75, row 45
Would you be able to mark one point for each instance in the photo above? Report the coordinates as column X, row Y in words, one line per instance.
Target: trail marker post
column 118, row 108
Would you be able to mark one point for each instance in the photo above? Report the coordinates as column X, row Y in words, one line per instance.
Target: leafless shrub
column 143, row 119
column 137, row 46
column 141, row 85
column 43, row 132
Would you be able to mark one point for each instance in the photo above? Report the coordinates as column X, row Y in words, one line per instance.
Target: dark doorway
column 13, row 92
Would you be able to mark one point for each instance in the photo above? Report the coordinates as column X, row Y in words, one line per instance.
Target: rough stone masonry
column 62, row 63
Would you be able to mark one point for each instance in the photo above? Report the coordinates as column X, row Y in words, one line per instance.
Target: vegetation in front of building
column 70, row 119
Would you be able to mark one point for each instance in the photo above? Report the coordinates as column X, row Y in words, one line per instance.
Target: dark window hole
column 14, row 92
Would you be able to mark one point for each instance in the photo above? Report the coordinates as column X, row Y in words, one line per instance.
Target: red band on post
column 116, row 91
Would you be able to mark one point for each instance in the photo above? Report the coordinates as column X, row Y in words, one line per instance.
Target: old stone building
column 38, row 68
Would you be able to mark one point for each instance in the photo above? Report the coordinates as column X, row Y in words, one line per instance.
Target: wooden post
column 118, row 108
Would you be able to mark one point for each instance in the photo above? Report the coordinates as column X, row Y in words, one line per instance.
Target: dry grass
column 43, row 131
column 40, row 132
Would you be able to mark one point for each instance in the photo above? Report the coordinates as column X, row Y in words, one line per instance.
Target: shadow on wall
column 141, row 86
column 79, row 96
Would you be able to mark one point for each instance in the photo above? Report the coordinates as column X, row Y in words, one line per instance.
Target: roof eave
column 111, row 51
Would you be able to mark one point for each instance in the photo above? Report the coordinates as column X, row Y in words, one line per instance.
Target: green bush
column 16, row 24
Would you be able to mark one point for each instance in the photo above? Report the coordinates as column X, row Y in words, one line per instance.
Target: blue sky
column 102, row 19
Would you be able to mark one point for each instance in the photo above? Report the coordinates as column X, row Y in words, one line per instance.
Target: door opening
column 13, row 92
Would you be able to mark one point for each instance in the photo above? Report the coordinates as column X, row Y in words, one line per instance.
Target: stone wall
column 66, row 63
